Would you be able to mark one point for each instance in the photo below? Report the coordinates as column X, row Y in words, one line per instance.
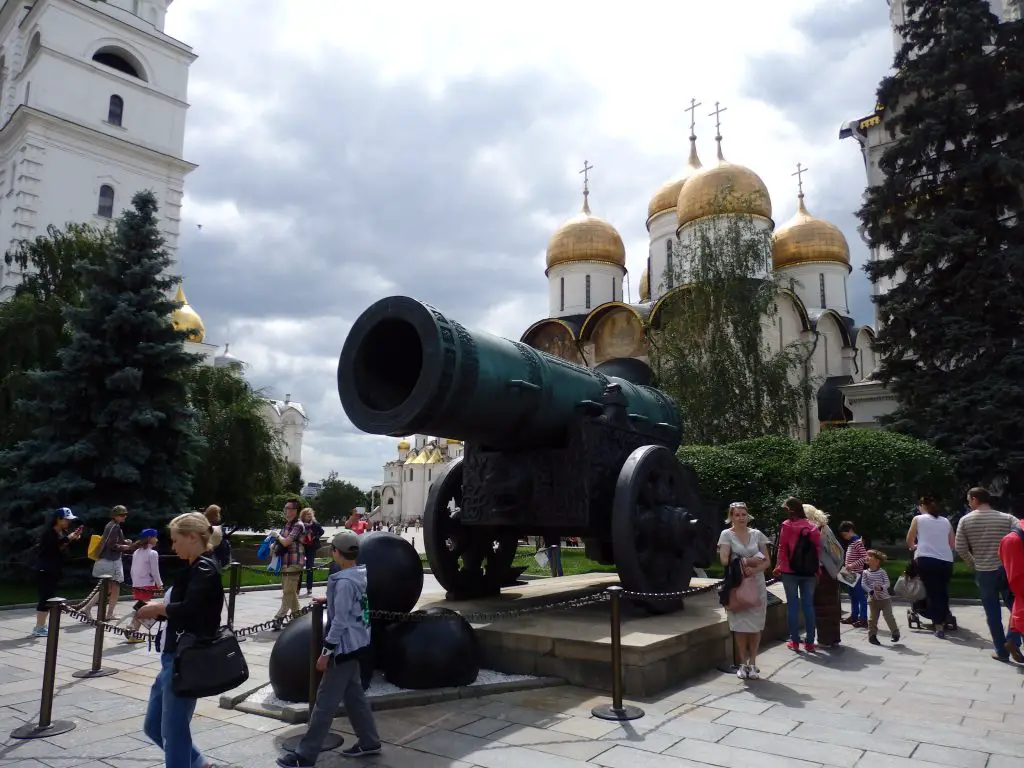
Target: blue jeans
column 799, row 596
column 992, row 586
column 168, row 718
column 858, row 602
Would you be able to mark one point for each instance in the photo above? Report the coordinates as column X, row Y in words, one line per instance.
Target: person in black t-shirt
column 50, row 562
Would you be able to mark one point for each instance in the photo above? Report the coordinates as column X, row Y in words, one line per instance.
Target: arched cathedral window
column 105, row 208
column 588, row 291
column 821, row 289
column 115, row 110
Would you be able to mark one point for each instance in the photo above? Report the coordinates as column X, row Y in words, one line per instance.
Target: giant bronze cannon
column 551, row 449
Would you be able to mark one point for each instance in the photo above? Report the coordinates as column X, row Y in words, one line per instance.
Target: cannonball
column 291, row 656
column 394, row 572
column 432, row 652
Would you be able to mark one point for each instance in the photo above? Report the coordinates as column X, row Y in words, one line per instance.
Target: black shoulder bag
column 207, row 666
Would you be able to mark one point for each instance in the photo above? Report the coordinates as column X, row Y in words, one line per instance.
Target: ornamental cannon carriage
column 551, row 449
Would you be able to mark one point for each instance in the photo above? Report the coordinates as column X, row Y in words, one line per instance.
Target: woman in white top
column 931, row 539
column 751, row 546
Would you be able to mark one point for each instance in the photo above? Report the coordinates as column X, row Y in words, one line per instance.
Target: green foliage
column 337, row 499
column 240, row 462
column 723, row 476
column 32, row 324
column 292, row 477
column 710, row 351
column 873, row 478
column 114, row 426
column 777, row 462
column 948, row 220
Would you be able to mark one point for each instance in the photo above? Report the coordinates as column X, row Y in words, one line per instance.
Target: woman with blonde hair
column 827, row 607
column 750, row 546
column 192, row 605
column 219, row 541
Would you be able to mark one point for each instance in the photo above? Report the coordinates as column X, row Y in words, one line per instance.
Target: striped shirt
column 856, row 555
column 876, row 584
column 978, row 537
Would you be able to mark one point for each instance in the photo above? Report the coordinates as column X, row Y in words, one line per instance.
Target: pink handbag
column 745, row 596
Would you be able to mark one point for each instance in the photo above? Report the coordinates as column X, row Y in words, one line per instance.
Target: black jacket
column 732, row 579
column 197, row 599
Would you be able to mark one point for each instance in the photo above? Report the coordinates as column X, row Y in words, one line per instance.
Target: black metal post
column 97, row 644
column 234, row 587
column 47, row 727
column 316, row 644
column 554, row 558
column 617, row 710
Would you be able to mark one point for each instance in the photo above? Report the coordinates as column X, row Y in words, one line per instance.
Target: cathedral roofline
column 22, row 116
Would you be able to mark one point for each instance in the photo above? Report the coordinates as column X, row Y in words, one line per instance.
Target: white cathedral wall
column 662, row 241
column 867, row 359
column 605, row 285
column 810, row 281
column 717, row 228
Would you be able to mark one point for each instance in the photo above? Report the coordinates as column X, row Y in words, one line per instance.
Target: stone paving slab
column 925, row 703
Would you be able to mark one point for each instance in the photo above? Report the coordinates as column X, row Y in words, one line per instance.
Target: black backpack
column 803, row 560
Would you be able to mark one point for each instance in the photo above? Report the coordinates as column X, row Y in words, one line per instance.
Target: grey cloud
column 818, row 90
column 381, row 177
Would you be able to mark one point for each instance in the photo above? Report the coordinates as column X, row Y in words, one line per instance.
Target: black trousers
column 46, row 586
column 935, row 575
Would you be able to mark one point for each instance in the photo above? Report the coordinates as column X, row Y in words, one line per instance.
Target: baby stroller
column 914, row 611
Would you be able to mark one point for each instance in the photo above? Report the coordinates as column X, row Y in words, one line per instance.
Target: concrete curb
column 299, row 712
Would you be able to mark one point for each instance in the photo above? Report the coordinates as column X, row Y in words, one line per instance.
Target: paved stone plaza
column 922, row 704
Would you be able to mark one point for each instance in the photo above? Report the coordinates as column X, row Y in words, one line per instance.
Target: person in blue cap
column 50, row 561
column 146, row 579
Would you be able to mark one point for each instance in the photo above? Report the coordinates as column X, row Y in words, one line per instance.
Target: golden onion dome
column 667, row 196
column 586, row 238
column 805, row 239
column 453, row 442
column 184, row 318
column 403, row 445
column 645, row 285
column 723, row 188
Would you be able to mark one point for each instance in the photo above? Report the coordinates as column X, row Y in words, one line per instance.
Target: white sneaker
column 753, row 673
column 743, row 672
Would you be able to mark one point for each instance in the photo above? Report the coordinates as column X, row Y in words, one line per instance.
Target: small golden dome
column 722, row 188
column 805, row 239
column 667, row 196
column 585, row 237
column 403, row 445
column 453, row 442
column 184, row 318
column 645, row 286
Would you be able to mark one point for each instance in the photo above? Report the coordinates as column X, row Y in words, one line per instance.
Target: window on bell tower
column 115, row 110
column 106, row 202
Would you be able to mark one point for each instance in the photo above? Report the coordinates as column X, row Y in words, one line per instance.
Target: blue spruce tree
column 115, row 424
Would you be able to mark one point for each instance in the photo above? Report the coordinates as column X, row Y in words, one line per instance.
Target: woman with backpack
column 799, row 560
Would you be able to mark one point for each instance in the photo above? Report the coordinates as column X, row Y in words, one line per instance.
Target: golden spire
column 185, row 318
column 587, row 168
column 666, row 196
column 805, row 239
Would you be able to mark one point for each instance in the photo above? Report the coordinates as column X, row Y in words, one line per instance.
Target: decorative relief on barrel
column 529, row 356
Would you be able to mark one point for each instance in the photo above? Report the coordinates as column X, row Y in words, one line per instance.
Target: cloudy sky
column 350, row 151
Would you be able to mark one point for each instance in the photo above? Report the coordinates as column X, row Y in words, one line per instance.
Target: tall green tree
column 949, row 220
column 710, row 351
column 115, row 426
column 240, row 462
column 32, row 324
column 337, row 499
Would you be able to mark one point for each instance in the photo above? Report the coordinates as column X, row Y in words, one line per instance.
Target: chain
column 484, row 617
column 272, row 624
column 716, row 587
column 112, row 629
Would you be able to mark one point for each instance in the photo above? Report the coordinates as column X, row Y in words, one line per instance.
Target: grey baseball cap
column 346, row 542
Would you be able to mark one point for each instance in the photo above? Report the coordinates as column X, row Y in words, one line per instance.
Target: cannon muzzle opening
column 387, row 364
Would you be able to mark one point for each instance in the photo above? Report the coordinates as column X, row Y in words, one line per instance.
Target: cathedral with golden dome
column 590, row 321
column 285, row 417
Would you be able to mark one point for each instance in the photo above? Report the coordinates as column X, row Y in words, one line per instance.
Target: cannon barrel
column 406, row 368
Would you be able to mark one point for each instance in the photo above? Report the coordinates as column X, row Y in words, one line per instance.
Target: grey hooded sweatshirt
column 348, row 612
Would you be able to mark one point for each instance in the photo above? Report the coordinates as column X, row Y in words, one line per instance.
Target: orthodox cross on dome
column 587, row 168
column 717, row 114
column 800, row 171
column 692, row 109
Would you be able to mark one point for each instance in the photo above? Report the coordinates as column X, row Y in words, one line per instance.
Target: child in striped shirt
column 876, row 584
column 856, row 557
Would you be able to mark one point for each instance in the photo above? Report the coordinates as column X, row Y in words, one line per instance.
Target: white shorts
column 112, row 568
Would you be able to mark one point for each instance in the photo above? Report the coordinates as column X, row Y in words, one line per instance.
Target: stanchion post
column 47, row 727
column 316, row 644
column 234, row 580
column 97, row 644
column 616, row 710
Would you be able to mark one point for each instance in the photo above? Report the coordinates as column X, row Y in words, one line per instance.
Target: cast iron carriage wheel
column 651, row 529
column 467, row 560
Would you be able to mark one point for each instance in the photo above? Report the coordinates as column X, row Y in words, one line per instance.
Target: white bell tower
column 93, row 101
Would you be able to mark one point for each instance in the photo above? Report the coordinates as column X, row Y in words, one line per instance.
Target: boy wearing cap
column 348, row 633
column 145, row 574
